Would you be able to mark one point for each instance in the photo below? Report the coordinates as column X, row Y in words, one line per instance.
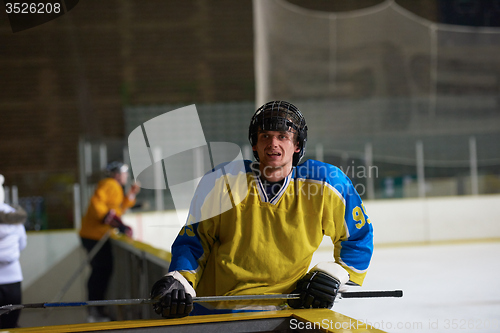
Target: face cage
column 279, row 116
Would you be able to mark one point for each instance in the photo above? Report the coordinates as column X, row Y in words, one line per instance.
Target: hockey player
column 106, row 206
column 264, row 244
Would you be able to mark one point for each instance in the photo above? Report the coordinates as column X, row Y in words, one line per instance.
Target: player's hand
column 173, row 295
column 135, row 188
column 319, row 287
column 127, row 231
column 116, row 222
column 111, row 218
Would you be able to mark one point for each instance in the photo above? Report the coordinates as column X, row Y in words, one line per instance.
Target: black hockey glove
column 173, row 300
column 316, row 290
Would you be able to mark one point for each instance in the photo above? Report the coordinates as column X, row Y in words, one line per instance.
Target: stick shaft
column 138, row 301
column 371, row 294
column 243, row 298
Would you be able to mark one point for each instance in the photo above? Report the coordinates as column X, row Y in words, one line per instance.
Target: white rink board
column 394, row 221
column 158, row 229
column 434, row 219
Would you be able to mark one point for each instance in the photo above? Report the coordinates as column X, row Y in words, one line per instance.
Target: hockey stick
column 138, row 301
column 97, row 247
column 371, row 294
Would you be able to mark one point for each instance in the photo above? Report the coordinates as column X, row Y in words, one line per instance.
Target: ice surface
column 447, row 288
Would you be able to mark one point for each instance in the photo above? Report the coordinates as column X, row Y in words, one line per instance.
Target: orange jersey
column 108, row 195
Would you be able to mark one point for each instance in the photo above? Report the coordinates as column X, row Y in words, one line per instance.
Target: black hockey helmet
column 279, row 116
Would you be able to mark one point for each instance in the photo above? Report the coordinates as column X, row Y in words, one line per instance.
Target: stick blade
column 4, row 311
column 8, row 308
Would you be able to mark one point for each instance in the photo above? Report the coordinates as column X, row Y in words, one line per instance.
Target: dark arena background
column 402, row 95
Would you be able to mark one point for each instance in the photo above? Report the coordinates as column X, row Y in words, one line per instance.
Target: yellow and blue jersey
column 263, row 245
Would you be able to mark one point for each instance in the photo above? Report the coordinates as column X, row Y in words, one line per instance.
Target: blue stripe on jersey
column 186, row 250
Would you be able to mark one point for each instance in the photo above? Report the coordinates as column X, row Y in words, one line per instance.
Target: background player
column 106, row 206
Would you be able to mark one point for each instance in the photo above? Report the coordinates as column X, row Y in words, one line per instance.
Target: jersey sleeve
column 345, row 220
column 187, row 251
column 354, row 249
column 191, row 249
column 22, row 237
column 126, row 204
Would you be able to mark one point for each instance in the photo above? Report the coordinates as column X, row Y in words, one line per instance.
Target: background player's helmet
column 115, row 167
column 279, row 116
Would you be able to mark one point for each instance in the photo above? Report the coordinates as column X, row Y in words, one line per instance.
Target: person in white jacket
column 12, row 242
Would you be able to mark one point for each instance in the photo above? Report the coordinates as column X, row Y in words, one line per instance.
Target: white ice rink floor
column 447, row 288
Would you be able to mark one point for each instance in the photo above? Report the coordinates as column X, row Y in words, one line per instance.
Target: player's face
column 276, row 149
column 122, row 177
